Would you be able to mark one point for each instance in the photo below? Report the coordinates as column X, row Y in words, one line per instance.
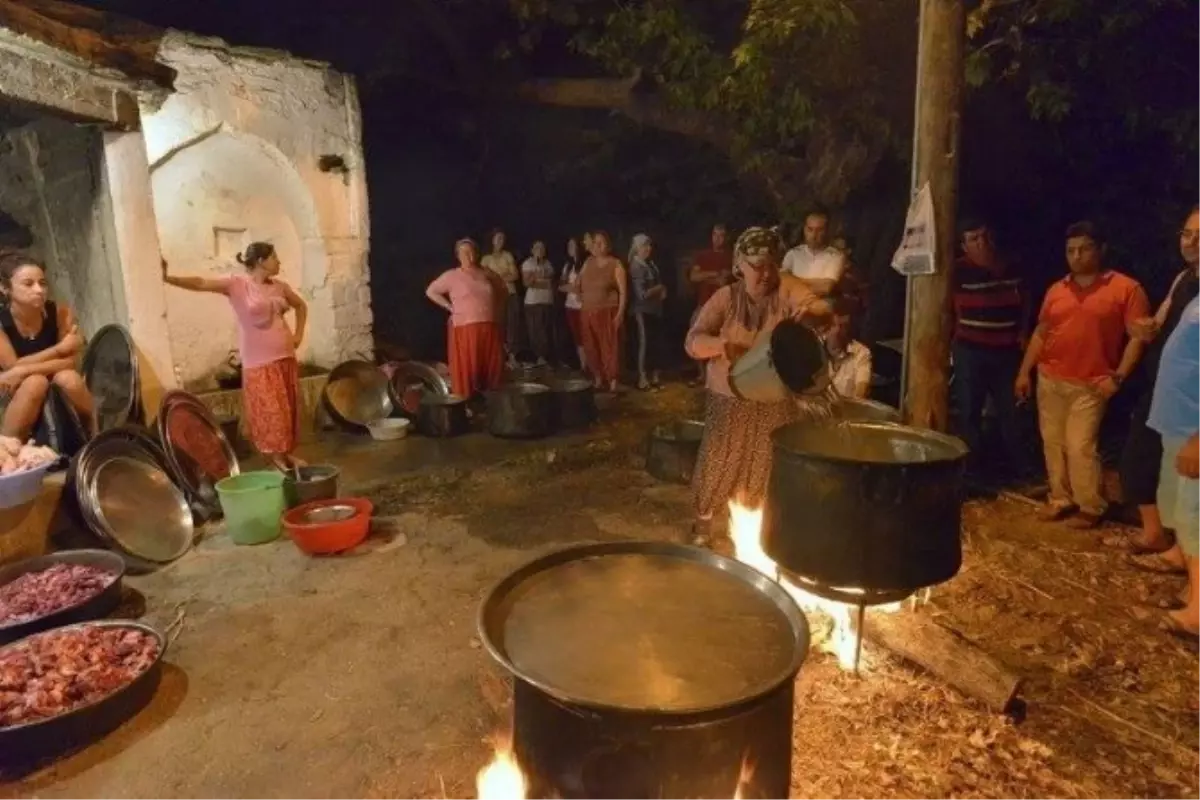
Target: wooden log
column 945, row 654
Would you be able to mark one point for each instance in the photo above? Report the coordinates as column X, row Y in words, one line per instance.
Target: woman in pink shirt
column 270, row 373
column 475, row 298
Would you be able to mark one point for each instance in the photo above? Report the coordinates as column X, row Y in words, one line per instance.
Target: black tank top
column 1183, row 292
column 46, row 337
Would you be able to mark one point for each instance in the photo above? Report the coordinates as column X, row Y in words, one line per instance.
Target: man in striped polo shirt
column 991, row 313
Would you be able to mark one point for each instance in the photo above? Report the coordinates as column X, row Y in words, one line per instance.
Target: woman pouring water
column 735, row 454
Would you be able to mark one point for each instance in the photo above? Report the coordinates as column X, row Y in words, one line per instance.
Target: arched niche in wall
column 212, row 197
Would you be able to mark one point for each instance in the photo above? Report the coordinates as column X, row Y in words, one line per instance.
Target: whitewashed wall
column 51, row 183
column 234, row 158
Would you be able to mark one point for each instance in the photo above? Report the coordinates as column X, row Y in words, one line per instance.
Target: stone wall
column 235, row 157
column 52, row 183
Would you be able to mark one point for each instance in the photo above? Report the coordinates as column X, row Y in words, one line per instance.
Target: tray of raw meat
column 58, row 589
column 67, row 687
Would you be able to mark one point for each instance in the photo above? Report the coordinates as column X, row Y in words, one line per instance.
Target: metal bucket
column 787, row 360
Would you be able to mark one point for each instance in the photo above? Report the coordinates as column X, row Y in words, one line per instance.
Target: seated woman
column 735, row 453
column 39, row 342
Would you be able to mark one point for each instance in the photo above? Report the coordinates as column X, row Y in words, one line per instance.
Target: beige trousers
column 1069, row 416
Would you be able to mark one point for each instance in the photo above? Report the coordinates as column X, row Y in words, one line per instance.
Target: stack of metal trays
column 127, row 497
column 110, row 369
column 197, row 452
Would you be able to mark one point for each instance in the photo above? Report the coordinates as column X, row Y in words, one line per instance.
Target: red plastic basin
column 317, row 529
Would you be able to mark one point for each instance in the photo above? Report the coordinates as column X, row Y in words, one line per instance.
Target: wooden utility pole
column 935, row 154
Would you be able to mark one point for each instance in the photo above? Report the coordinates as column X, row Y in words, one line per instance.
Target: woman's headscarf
column 750, row 313
column 757, row 241
column 638, row 240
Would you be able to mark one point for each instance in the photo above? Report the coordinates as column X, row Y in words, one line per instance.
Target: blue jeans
column 980, row 373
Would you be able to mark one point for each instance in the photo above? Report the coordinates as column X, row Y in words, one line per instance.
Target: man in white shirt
column 815, row 262
column 849, row 359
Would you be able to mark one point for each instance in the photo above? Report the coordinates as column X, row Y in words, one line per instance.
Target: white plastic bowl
column 20, row 488
column 390, row 429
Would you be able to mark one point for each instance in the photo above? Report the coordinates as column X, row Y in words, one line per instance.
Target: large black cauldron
column 647, row 669
column 873, row 506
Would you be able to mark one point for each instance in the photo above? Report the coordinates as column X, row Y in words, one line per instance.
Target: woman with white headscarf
column 647, row 308
column 735, row 453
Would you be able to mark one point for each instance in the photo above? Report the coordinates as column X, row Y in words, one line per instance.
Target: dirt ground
column 361, row 675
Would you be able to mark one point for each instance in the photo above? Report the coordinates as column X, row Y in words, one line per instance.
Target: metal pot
column 870, row 506
column 854, row 408
column 442, row 415
column 647, row 669
column 520, row 411
column 575, row 403
column 672, row 450
column 316, row 482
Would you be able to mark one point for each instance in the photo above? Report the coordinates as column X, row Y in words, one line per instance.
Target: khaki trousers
column 1069, row 416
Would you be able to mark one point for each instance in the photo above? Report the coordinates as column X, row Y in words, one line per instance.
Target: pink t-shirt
column 263, row 335
column 471, row 293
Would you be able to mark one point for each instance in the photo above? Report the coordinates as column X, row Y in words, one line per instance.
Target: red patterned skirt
column 271, row 397
column 735, row 453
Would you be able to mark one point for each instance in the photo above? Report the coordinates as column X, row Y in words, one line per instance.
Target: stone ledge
column 227, row 404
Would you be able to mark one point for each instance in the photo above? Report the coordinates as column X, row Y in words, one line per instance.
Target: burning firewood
column 911, row 636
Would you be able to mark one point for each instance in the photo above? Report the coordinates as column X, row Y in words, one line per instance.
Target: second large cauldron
column 647, row 669
column 874, row 507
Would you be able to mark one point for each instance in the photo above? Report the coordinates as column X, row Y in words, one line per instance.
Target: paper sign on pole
column 915, row 255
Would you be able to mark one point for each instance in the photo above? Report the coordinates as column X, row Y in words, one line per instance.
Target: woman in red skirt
column 475, row 298
column 603, row 287
column 270, row 373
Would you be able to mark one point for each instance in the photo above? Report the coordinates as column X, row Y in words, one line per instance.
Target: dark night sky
column 440, row 166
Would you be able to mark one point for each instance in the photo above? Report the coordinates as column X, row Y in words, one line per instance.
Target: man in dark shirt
column 990, row 326
column 1143, row 447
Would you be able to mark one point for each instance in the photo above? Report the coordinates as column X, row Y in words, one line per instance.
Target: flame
column 502, row 778
column 745, row 775
column 745, row 530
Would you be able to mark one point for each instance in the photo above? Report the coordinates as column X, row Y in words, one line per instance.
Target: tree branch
column 624, row 96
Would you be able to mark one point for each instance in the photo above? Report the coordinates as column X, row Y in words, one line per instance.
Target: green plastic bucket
column 253, row 503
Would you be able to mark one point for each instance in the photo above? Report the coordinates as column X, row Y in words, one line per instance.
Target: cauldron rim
column 493, row 601
column 956, row 449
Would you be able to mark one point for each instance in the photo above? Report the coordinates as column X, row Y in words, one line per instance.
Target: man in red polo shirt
column 711, row 269
column 1083, row 348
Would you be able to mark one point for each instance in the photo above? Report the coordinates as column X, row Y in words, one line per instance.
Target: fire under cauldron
column 647, row 669
column 864, row 512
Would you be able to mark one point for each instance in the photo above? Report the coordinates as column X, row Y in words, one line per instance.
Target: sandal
column 1054, row 513
column 1085, row 521
column 1132, row 544
column 1156, row 563
column 1168, row 624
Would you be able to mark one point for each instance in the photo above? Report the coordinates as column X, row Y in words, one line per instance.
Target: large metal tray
column 199, row 486
column 644, row 626
column 110, row 370
column 94, row 607
column 39, row 738
column 357, row 393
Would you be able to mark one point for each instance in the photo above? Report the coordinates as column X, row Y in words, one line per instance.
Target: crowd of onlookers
column 583, row 310
column 1094, row 327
